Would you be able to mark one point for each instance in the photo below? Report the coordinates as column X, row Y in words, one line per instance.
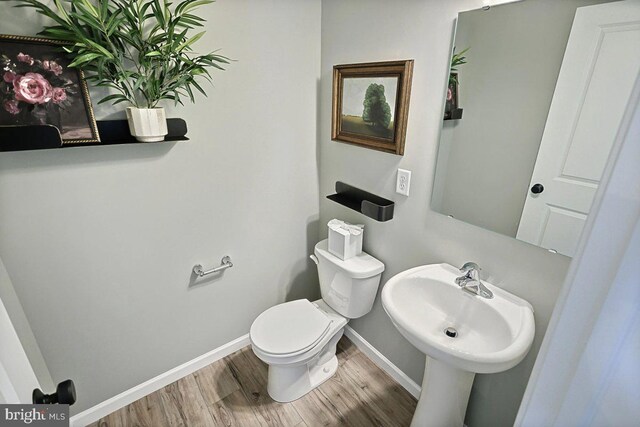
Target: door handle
column 537, row 188
column 65, row 394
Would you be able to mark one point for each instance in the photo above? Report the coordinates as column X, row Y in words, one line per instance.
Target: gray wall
column 99, row 242
column 373, row 30
column 505, row 89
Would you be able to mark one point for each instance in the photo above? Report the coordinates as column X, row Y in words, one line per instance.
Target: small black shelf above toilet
column 366, row 203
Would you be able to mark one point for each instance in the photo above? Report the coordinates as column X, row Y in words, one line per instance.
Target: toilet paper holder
column 225, row 263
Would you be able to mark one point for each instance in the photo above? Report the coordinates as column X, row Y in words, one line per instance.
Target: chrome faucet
column 470, row 281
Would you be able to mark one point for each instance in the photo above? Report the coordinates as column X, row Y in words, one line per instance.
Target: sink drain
column 451, row 332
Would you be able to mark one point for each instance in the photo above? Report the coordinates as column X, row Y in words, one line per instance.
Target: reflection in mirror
column 527, row 156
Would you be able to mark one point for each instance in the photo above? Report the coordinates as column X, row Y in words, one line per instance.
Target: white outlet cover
column 403, row 182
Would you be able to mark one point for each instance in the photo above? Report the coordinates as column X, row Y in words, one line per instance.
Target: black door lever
column 65, row 394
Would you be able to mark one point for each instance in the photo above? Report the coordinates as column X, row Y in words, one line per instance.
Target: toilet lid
column 287, row 328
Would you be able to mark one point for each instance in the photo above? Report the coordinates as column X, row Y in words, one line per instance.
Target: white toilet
column 297, row 339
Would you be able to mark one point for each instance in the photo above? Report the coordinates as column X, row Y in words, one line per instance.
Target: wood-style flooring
column 233, row 392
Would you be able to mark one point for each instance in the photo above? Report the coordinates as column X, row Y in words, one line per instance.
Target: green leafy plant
column 142, row 49
column 457, row 59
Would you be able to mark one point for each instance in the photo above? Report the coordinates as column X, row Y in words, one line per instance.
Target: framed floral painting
column 37, row 87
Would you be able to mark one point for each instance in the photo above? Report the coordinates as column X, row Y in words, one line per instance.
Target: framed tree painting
column 37, row 87
column 371, row 104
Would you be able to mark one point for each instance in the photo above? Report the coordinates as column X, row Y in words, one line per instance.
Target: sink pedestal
column 444, row 396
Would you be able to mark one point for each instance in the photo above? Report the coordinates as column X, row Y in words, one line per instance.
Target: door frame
column 17, row 377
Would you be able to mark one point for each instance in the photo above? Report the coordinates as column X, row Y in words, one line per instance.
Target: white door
column 600, row 66
column 17, row 378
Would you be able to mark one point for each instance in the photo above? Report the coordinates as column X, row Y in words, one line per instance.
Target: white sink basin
column 493, row 335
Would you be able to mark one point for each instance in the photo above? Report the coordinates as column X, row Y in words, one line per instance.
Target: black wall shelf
column 368, row 204
column 43, row 137
column 455, row 114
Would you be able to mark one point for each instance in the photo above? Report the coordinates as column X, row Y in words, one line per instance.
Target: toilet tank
column 350, row 286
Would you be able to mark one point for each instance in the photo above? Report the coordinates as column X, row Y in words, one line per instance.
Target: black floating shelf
column 18, row 138
column 42, row 137
column 366, row 203
column 455, row 114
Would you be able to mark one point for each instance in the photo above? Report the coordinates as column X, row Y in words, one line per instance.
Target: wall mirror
column 540, row 93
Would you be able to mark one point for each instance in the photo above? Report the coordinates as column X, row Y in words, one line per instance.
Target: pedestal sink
column 460, row 333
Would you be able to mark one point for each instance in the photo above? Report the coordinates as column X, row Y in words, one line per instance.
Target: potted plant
column 141, row 49
column 451, row 110
column 457, row 59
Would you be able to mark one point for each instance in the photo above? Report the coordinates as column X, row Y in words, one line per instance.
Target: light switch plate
column 403, row 182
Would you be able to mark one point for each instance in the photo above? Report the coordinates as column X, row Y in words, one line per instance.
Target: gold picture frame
column 371, row 104
column 37, row 87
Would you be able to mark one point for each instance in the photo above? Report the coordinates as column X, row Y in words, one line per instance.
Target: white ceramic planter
column 147, row 124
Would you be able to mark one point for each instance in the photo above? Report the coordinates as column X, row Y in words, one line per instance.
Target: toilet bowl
column 298, row 339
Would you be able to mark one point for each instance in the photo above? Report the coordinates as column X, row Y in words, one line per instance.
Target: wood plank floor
column 232, row 392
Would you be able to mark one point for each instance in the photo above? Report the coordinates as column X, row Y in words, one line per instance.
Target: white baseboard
column 383, row 363
column 94, row 413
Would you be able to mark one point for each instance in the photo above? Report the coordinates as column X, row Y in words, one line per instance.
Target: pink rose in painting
column 59, row 95
column 32, row 88
column 56, row 68
column 9, row 77
column 12, row 107
column 25, row 58
column 52, row 66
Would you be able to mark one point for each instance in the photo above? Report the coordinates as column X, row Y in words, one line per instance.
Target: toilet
column 297, row 339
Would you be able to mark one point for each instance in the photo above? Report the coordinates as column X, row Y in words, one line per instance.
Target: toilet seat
column 289, row 329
